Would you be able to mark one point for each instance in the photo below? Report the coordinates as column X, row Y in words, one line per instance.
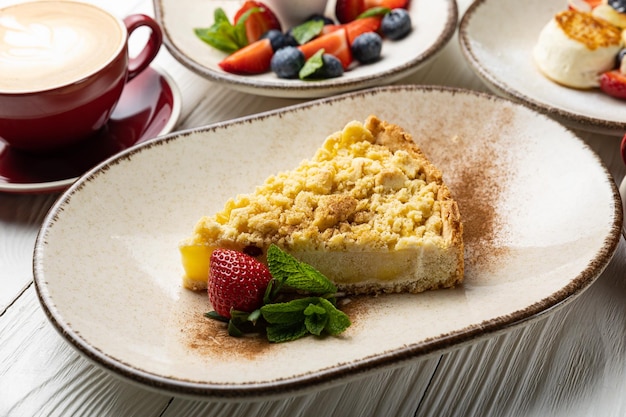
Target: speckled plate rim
column 309, row 89
column 341, row 373
column 500, row 86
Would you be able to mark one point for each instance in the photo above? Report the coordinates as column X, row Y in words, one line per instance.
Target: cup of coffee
column 63, row 66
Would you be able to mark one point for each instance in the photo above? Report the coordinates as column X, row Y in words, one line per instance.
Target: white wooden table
column 569, row 362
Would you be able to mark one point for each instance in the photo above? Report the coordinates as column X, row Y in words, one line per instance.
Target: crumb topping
column 353, row 194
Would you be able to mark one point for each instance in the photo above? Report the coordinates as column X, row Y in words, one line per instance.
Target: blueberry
column 332, row 68
column 279, row 39
column 287, row 62
column 618, row 5
column 396, row 24
column 366, row 47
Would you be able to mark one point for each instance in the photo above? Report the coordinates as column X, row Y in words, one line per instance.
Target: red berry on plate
column 356, row 27
column 613, row 83
column 252, row 59
column 236, row 281
column 390, row 4
column 347, row 10
column 360, row 26
column 258, row 23
column 334, row 43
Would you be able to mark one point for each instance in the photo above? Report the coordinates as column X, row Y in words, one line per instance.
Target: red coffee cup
column 63, row 66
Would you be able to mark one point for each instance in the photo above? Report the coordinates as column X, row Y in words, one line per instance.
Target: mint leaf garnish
column 288, row 312
column 311, row 65
column 286, row 332
column 373, row 12
column 314, row 313
column 307, row 31
column 338, row 321
column 297, row 275
column 315, row 319
column 222, row 34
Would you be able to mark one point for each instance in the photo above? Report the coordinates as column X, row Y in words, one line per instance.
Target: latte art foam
column 46, row 44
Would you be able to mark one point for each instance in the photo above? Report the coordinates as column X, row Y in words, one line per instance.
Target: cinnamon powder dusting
column 477, row 190
column 476, row 168
column 209, row 338
column 471, row 152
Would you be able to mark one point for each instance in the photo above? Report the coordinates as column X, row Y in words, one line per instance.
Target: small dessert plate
column 150, row 106
column 536, row 232
column 497, row 38
column 434, row 24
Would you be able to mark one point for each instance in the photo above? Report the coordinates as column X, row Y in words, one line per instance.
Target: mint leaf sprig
column 222, row 34
column 313, row 313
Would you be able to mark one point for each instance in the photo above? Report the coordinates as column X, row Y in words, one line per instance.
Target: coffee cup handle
column 148, row 53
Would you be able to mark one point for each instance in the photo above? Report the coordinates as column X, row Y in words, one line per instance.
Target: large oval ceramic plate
column 537, row 233
column 434, row 24
column 497, row 37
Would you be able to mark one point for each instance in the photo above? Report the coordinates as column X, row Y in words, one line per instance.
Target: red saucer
column 149, row 107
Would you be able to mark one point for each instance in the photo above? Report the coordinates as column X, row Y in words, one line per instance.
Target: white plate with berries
column 253, row 47
column 498, row 38
column 108, row 271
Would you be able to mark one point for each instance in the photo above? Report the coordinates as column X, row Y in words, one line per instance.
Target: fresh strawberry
column 257, row 23
column 390, row 4
column 236, row 281
column 252, row 59
column 613, row 83
column 348, row 10
column 356, row 27
column 360, row 26
column 334, row 43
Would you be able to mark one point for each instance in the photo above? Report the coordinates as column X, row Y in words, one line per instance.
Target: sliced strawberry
column 356, row 27
column 334, row 43
column 360, row 26
column 390, row 4
column 330, row 28
column 252, row 59
column 257, row 23
column 613, row 83
column 348, row 10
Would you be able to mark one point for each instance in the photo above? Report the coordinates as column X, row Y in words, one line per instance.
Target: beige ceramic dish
column 434, row 24
column 497, row 37
column 537, row 234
